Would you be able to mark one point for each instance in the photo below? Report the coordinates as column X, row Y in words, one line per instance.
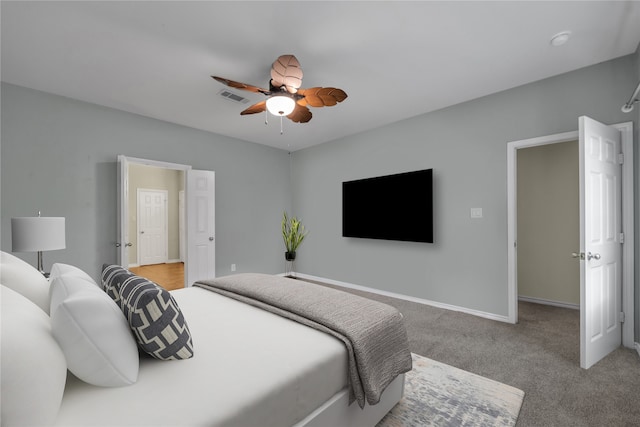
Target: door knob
column 142, row 232
column 211, row 239
column 129, row 244
column 579, row 255
column 591, row 256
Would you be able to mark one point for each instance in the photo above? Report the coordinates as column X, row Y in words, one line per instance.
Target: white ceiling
column 394, row 59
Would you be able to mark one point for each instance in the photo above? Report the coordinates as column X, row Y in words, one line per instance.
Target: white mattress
column 250, row 368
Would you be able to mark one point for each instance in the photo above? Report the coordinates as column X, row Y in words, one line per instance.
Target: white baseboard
column 133, row 265
column 478, row 313
column 549, row 302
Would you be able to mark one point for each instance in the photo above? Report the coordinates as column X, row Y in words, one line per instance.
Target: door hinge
column 621, row 237
column 621, row 158
column 621, row 317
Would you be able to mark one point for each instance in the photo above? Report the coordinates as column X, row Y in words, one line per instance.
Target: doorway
column 548, row 219
column 198, row 218
column 146, row 250
column 626, row 179
column 166, row 184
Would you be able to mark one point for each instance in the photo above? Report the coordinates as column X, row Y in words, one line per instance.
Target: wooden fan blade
column 255, row 108
column 239, row 85
column 322, row 96
column 300, row 114
column 286, row 71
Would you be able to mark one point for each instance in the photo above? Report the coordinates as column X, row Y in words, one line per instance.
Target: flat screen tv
column 391, row 207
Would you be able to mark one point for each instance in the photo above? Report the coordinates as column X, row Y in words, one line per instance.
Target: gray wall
column 59, row 156
column 466, row 146
column 548, row 196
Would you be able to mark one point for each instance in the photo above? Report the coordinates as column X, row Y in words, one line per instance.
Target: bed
column 249, row 367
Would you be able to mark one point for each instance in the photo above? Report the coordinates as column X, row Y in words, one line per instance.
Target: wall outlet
column 233, row 267
column 476, row 212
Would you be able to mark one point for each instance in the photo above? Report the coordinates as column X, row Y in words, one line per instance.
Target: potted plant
column 293, row 233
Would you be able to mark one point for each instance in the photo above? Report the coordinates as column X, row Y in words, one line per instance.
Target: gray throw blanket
column 373, row 332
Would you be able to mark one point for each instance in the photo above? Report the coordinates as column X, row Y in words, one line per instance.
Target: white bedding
column 250, row 368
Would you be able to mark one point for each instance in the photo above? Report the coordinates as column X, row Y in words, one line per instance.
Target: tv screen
column 391, row 207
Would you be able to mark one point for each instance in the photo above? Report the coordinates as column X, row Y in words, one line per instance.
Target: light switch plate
column 476, row 212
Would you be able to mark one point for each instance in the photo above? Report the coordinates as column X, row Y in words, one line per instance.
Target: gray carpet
column 540, row 356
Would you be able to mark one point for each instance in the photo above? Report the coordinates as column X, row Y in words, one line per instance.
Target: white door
column 152, row 226
column 201, row 220
column 600, row 240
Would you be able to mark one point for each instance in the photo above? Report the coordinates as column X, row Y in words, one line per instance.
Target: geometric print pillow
column 112, row 278
column 153, row 315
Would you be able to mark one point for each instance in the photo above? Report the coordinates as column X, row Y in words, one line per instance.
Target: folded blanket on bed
column 373, row 332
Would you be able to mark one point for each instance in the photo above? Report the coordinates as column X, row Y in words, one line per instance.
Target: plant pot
column 290, row 256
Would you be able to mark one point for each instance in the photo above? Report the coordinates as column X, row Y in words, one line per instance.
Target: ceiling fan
column 285, row 97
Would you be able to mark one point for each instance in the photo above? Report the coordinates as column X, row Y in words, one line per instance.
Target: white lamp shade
column 34, row 234
column 280, row 105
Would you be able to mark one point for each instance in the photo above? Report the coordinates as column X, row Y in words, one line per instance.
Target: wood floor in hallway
column 169, row 276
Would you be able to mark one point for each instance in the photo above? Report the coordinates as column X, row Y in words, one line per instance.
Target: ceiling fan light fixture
column 280, row 105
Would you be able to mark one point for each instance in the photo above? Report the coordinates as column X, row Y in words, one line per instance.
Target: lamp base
column 40, row 267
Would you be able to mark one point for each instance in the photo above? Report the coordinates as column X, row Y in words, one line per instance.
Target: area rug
column 436, row 394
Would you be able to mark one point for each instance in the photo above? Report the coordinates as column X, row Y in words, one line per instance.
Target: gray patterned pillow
column 112, row 278
column 154, row 316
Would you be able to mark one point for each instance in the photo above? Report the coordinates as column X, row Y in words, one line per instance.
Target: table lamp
column 37, row 234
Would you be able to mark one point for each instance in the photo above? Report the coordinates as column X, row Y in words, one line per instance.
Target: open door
column 600, row 240
column 201, row 245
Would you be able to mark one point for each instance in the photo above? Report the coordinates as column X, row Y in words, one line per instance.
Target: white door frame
column 166, row 222
column 626, row 131
column 182, row 234
column 123, row 199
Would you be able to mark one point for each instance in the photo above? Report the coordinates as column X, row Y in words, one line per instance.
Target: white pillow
column 59, row 269
column 24, row 279
column 66, row 284
column 93, row 334
column 34, row 370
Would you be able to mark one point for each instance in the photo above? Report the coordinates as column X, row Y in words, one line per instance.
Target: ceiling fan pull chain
column 281, row 131
column 266, row 117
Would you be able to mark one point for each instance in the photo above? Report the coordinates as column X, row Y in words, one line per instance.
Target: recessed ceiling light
column 560, row 38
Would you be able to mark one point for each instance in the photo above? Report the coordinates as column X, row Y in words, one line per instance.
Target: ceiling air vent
column 231, row 96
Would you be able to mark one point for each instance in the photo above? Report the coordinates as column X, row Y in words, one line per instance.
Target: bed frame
column 337, row 411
